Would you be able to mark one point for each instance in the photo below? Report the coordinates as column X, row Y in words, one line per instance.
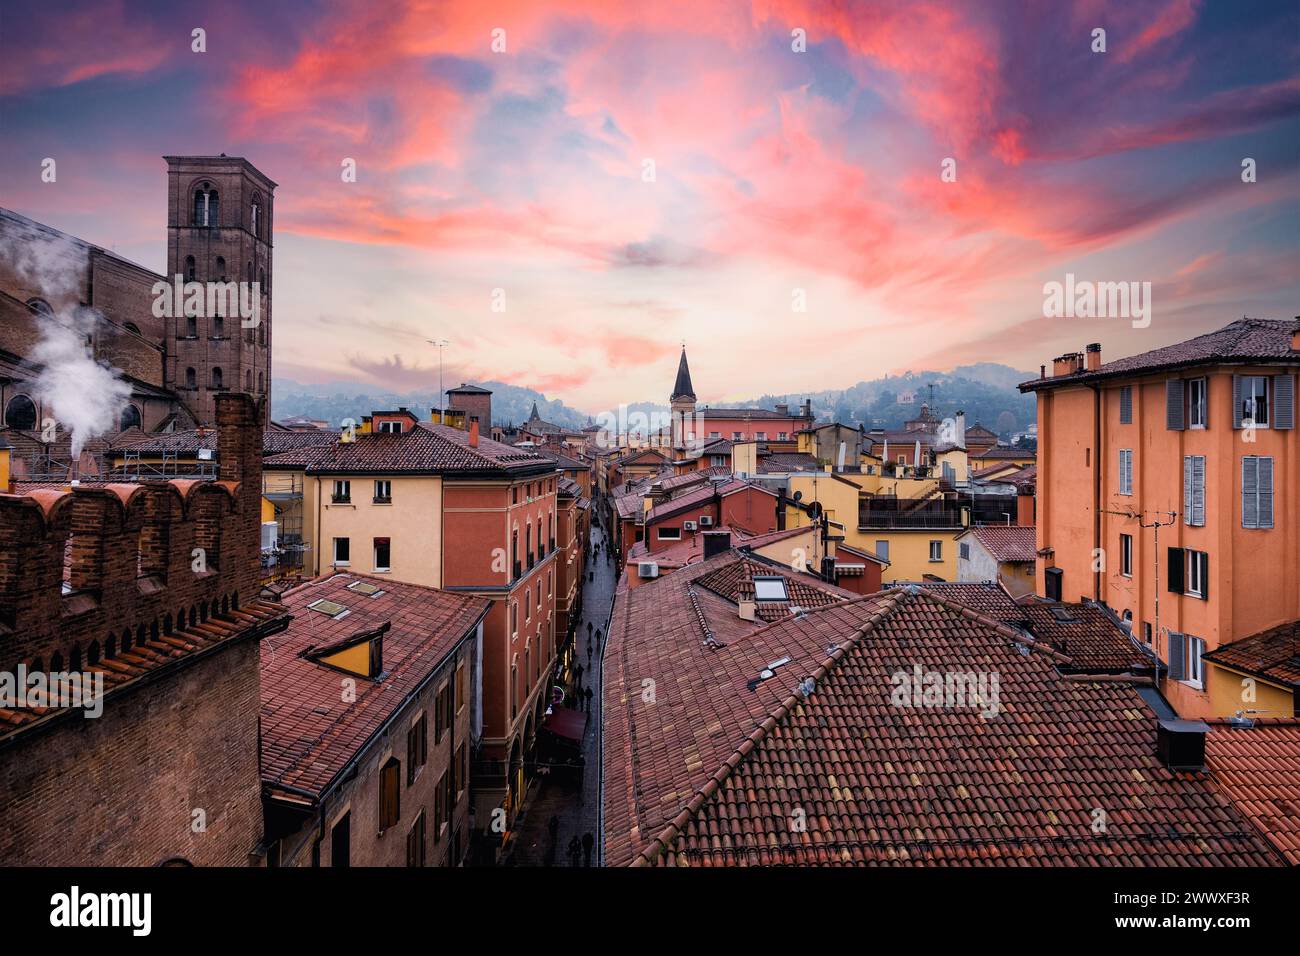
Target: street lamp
column 442, row 396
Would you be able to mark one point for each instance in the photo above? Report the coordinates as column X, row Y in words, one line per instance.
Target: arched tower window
column 20, row 413
column 248, row 380
column 221, row 268
column 207, row 209
column 130, row 418
column 191, row 379
column 189, row 268
column 256, row 216
column 217, row 378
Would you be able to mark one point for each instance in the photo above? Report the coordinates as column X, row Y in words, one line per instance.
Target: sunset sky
column 775, row 171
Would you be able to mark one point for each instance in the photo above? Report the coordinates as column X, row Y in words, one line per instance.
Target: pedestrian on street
column 598, row 637
column 588, row 651
column 587, row 695
column 591, row 576
column 588, row 630
column 575, row 850
column 588, row 843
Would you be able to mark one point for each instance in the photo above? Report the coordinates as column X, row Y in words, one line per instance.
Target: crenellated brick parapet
column 90, row 571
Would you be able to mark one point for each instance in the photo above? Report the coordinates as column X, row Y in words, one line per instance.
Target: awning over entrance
column 566, row 722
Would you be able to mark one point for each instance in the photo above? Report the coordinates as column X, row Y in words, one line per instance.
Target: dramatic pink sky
column 775, row 171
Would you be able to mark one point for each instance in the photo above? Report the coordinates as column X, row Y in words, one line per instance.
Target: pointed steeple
column 683, row 389
column 534, row 417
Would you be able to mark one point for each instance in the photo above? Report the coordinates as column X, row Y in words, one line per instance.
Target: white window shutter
column 1198, row 489
column 1249, row 493
column 1265, row 492
column 1189, row 513
column 1284, row 401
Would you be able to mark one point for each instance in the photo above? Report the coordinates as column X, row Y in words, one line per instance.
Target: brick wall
column 122, row 789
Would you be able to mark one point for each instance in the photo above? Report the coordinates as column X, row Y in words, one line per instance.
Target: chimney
column 473, row 433
column 961, row 430
column 1063, row 365
column 1180, row 744
column 1042, row 371
column 1025, row 508
column 1094, row 356
column 716, row 542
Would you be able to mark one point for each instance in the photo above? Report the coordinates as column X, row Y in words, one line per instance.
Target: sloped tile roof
column 657, row 754
column 879, row 783
column 1246, row 341
column 1258, row 768
column 1008, row 542
column 309, row 733
column 426, row 449
column 1273, row 654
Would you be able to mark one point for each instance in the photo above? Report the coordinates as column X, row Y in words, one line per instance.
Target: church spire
column 683, row 389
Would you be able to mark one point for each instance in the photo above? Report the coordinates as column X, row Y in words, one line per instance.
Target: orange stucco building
column 1199, row 437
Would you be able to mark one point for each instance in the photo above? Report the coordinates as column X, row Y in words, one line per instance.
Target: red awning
column 566, row 722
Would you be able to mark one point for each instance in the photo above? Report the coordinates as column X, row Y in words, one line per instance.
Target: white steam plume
column 85, row 396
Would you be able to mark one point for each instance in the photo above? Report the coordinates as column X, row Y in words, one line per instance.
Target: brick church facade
column 220, row 216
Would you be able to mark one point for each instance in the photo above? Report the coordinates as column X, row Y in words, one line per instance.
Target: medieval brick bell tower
column 220, row 214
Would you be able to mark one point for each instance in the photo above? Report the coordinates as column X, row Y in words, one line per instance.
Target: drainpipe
column 1096, row 487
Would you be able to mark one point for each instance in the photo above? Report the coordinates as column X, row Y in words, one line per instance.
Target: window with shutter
column 1126, row 405
column 1177, row 564
column 1174, row 404
column 390, row 793
column 1177, row 656
column 1194, row 490
column 1126, row 471
column 1236, row 401
column 1256, row 492
column 1284, row 401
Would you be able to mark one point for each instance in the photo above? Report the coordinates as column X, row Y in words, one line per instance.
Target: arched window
column 261, row 281
column 20, row 413
column 130, row 418
column 221, row 268
column 218, row 327
column 190, row 380
column 261, row 382
column 206, row 207
column 248, row 381
column 256, row 216
column 189, row 269
column 217, row 378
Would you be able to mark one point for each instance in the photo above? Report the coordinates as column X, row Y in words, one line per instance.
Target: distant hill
column 986, row 392
column 335, row 401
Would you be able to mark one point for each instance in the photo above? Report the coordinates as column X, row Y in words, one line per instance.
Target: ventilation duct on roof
column 1180, row 744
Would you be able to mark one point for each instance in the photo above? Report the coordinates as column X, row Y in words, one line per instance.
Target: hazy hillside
column 986, row 392
column 335, row 401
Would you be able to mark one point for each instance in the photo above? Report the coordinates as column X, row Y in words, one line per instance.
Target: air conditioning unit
column 647, row 569
column 688, row 525
column 706, row 521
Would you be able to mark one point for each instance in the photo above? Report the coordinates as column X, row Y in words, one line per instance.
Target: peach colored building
column 1199, row 437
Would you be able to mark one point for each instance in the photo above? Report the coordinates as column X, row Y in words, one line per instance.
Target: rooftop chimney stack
column 1180, row 744
column 1295, row 335
column 716, row 542
column 473, row 433
column 1094, row 356
column 960, row 437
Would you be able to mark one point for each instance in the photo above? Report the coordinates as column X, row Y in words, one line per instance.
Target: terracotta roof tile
column 719, row 777
column 1008, row 542
column 309, row 732
column 1273, row 654
column 1258, row 768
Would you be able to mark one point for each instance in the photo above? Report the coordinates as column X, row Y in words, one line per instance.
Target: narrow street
column 577, row 812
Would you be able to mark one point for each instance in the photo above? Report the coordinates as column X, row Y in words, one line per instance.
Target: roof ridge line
column 662, row 840
column 1005, row 630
